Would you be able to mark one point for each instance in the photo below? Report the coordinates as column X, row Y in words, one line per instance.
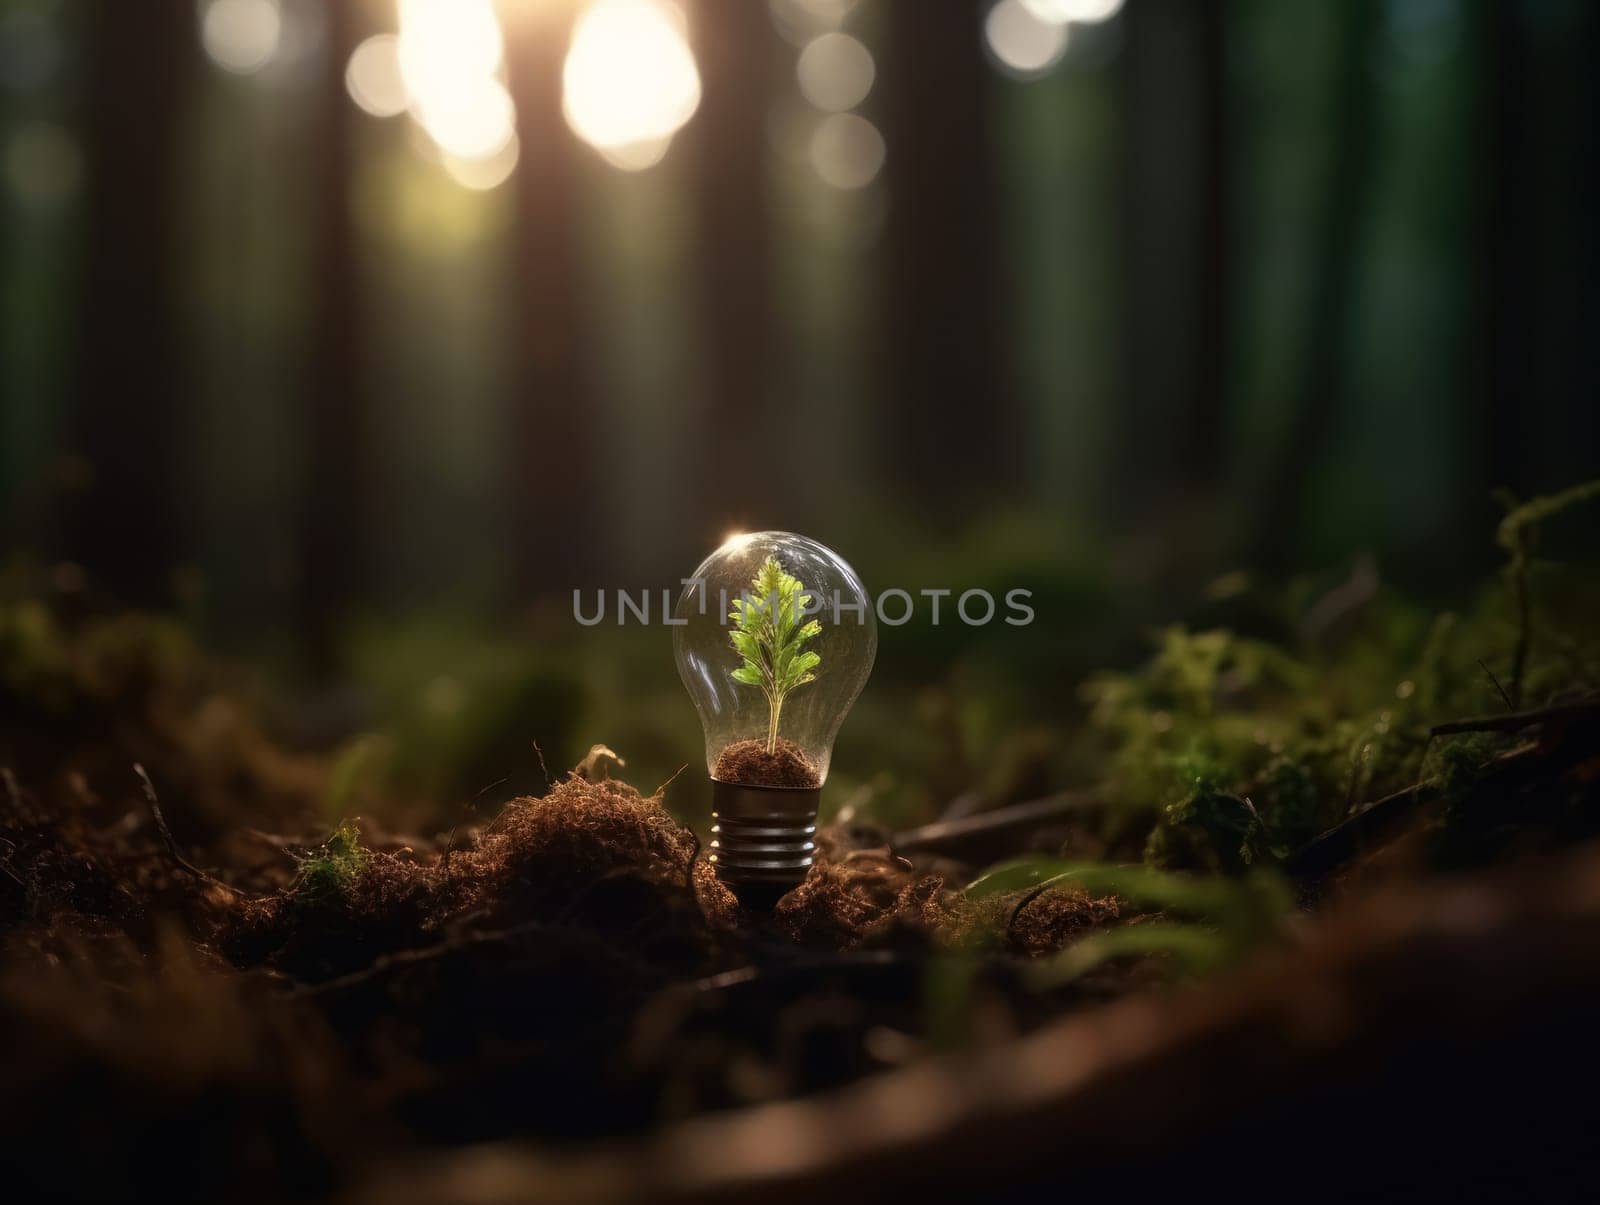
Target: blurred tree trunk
column 1330, row 321
column 333, row 530
column 128, row 526
column 1177, row 340
column 1539, row 273
column 1506, row 298
column 951, row 411
column 551, row 469
column 1203, row 449
column 13, row 406
column 729, row 143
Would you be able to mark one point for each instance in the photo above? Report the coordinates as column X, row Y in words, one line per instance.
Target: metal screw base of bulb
column 763, row 839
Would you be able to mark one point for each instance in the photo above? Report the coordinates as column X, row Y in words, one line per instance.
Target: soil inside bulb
column 748, row 763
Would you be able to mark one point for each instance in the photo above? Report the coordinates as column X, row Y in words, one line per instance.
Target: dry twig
column 1518, row 720
column 947, row 834
column 1510, row 706
column 166, row 835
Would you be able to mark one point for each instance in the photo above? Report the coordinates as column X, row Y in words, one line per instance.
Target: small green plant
column 326, row 873
column 769, row 631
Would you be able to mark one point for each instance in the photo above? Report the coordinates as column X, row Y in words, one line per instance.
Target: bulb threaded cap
column 763, row 839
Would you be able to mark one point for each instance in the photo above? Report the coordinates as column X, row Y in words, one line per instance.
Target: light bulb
column 775, row 637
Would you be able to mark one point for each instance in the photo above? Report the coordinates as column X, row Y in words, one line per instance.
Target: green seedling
column 769, row 631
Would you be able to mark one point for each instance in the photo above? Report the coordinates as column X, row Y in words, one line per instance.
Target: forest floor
column 1359, row 955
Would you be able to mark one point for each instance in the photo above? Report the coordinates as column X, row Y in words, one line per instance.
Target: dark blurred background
column 361, row 332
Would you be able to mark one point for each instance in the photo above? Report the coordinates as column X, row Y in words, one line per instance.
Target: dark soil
column 749, row 764
column 578, row 849
column 573, row 969
column 216, row 999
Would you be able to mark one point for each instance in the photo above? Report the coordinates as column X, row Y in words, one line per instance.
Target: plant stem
column 772, row 724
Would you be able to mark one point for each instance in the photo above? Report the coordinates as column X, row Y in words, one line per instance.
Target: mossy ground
column 240, row 987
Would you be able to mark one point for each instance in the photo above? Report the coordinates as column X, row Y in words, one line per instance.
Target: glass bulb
column 733, row 710
column 775, row 636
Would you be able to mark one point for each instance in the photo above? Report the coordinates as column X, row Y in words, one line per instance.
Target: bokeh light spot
column 847, row 150
column 449, row 54
column 474, row 120
column 630, row 81
column 484, row 174
column 1022, row 43
column 443, row 42
column 373, row 76
column 636, row 156
column 241, row 35
column 1085, row 12
column 835, row 72
column 799, row 21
